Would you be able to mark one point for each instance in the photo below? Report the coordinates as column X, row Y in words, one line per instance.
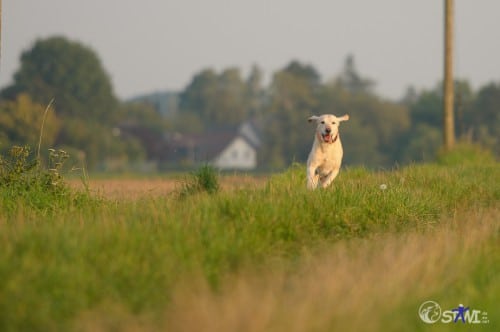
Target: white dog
column 325, row 158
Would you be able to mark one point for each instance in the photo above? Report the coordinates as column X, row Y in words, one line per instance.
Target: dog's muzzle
column 328, row 138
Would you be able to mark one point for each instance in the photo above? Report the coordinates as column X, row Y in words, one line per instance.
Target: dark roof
column 204, row 147
column 207, row 146
column 196, row 147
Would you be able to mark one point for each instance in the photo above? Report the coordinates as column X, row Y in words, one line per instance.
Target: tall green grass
column 205, row 179
column 78, row 259
column 27, row 186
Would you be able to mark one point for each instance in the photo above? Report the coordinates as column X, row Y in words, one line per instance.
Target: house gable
column 238, row 154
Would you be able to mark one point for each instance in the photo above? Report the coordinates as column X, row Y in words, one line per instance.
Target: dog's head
column 327, row 128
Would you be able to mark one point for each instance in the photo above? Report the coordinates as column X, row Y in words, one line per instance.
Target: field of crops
column 254, row 254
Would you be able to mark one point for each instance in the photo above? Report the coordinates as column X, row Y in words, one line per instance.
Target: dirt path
column 136, row 188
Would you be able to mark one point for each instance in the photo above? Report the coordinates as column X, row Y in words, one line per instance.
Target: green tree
column 426, row 112
column 255, row 92
column 375, row 128
column 143, row 115
column 21, row 121
column 428, row 109
column 231, row 98
column 219, row 100
column 423, row 139
column 352, row 81
column 423, row 143
column 484, row 117
column 142, row 123
column 427, row 106
column 97, row 144
column 305, row 72
column 361, row 146
column 293, row 98
column 464, row 100
column 85, row 104
column 69, row 72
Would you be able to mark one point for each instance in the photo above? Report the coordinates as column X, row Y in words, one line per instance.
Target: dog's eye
column 322, row 122
column 333, row 123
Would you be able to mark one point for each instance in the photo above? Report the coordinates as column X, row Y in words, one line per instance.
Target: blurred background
column 165, row 85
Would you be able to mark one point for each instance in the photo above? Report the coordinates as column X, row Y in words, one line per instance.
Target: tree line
column 380, row 132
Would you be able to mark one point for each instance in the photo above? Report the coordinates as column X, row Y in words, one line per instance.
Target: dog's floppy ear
column 344, row 117
column 313, row 118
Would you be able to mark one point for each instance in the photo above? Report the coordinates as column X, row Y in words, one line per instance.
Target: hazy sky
column 151, row 45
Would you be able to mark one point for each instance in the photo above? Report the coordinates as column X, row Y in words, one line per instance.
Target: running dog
column 325, row 158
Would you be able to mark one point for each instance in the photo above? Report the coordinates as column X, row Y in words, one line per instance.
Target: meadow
column 362, row 255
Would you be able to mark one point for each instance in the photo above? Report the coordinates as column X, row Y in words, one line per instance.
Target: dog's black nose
column 328, row 130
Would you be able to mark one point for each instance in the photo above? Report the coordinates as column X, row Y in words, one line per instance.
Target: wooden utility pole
column 448, row 116
column 0, row 31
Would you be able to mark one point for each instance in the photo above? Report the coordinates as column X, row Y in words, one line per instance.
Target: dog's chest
column 326, row 165
column 325, row 157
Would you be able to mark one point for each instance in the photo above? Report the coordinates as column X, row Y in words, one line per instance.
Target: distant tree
column 487, row 104
column 142, row 123
column 293, row 98
column 219, row 100
column 427, row 106
column 372, row 137
column 352, row 81
column 255, row 91
column 424, row 137
column 426, row 112
column 231, row 99
column 21, row 122
column 143, row 115
column 464, row 102
column 360, row 142
column 484, row 117
column 423, row 144
column 197, row 96
column 85, row 104
column 70, row 73
column 99, row 143
column 428, row 109
column 375, row 127
column 305, row 72
column 410, row 97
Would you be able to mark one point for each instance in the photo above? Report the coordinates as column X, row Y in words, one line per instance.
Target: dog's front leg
column 312, row 177
column 330, row 177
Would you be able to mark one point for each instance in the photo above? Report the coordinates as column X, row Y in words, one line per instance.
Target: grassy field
column 360, row 256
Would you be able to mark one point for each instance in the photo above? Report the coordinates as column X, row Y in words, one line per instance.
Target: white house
column 238, row 154
column 224, row 149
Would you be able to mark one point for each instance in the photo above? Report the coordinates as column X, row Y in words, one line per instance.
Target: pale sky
column 156, row 45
